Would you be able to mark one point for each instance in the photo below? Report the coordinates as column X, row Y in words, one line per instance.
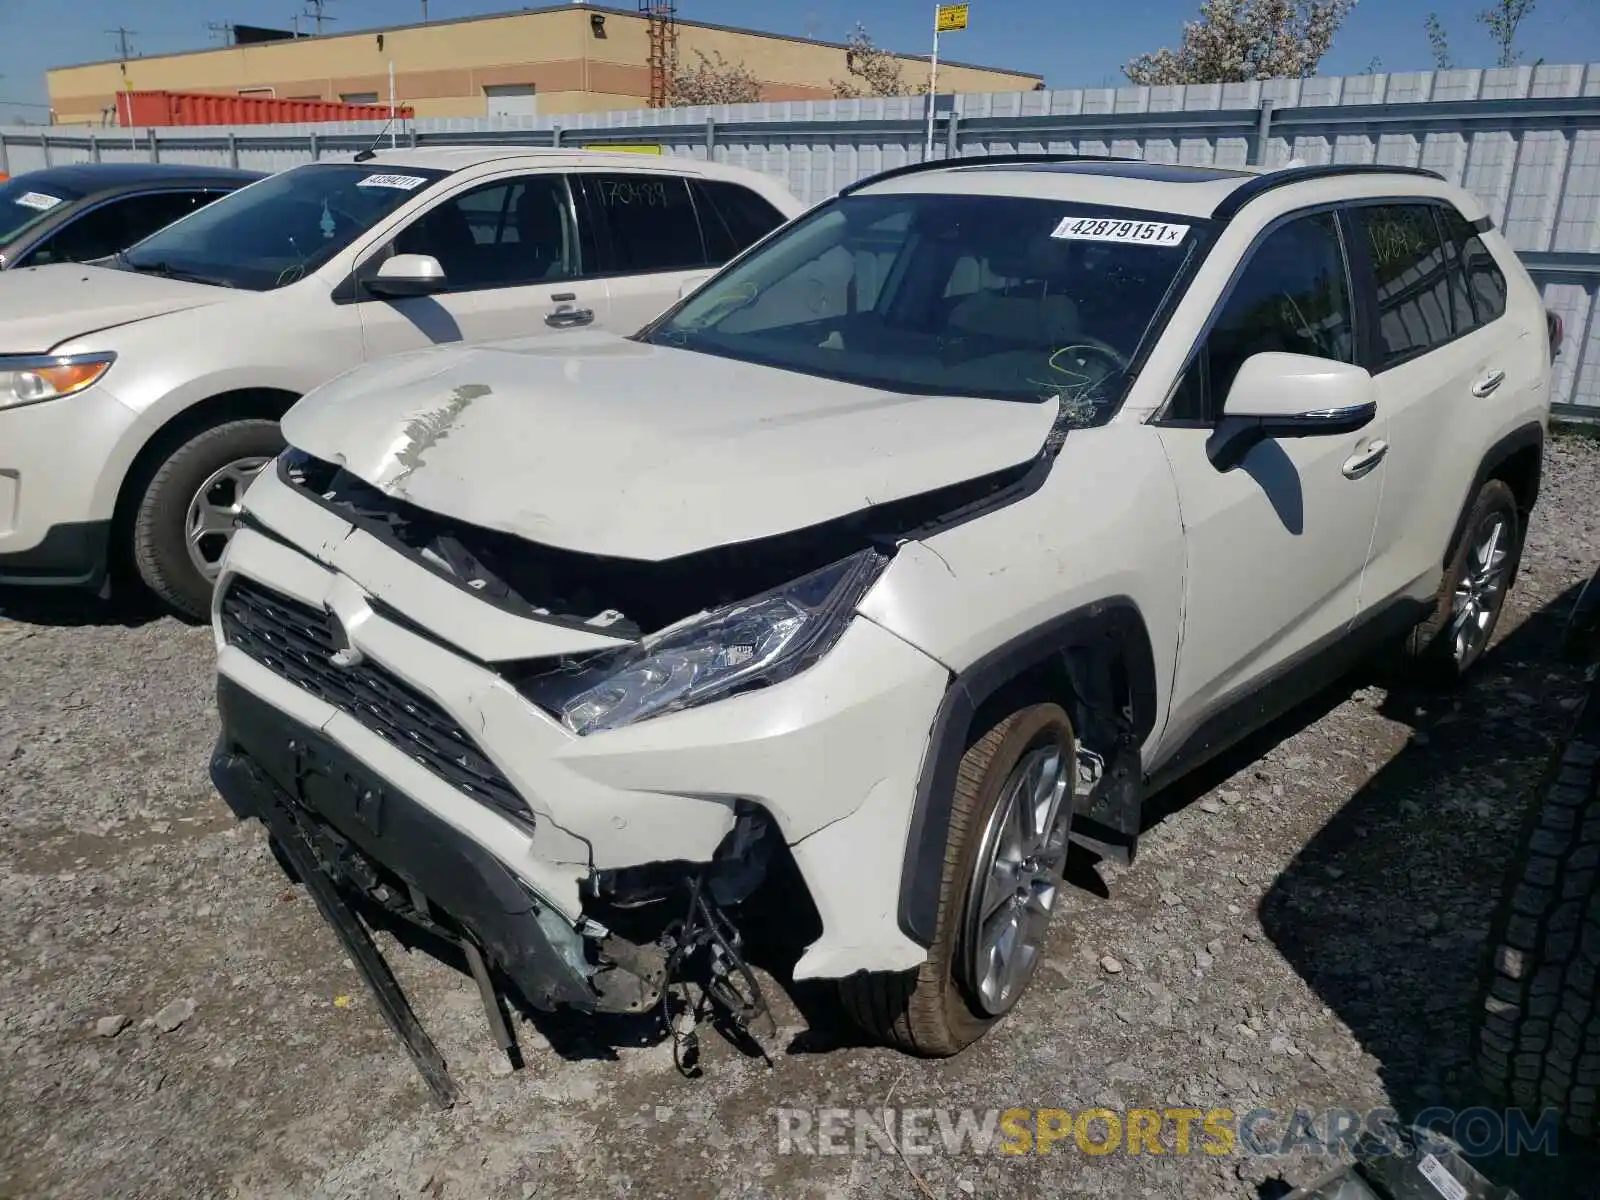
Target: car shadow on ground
column 1385, row 911
column 70, row 609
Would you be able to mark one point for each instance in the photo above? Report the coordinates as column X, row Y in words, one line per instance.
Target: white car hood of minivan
column 41, row 307
column 595, row 443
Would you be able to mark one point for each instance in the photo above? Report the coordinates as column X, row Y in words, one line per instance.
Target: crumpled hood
column 594, row 443
column 41, row 307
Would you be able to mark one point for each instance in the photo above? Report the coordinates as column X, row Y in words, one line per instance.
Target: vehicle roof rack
column 1259, row 185
column 978, row 160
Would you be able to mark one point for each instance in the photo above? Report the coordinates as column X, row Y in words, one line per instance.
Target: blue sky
column 1072, row 45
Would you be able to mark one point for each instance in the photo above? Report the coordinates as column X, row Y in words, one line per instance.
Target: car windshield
column 1013, row 298
column 24, row 201
column 280, row 229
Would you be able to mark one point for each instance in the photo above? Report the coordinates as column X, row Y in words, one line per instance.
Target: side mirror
column 693, row 283
column 408, row 275
column 1290, row 396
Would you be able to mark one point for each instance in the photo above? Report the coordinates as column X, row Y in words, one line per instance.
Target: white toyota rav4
column 936, row 531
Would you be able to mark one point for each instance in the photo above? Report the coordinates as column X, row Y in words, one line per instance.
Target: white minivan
column 139, row 395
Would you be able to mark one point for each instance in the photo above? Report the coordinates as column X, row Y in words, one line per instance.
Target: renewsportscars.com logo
column 1099, row 1131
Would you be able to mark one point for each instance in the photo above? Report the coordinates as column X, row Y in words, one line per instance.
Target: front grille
column 297, row 642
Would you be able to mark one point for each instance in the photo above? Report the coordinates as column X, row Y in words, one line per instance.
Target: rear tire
column 937, row 1009
column 1536, row 1036
column 162, row 518
column 1435, row 646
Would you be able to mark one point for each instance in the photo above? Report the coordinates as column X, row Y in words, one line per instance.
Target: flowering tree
column 712, row 80
column 1238, row 40
column 873, row 71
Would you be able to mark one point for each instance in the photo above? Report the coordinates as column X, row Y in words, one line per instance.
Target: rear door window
column 1412, row 278
column 647, row 222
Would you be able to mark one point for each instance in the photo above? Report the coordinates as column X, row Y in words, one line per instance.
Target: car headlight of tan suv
column 28, row 379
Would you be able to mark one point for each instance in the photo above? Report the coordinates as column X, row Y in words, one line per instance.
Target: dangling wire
column 705, row 925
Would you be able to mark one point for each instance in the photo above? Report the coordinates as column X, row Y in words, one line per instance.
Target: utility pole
column 316, row 13
column 424, row 12
column 224, row 28
column 124, row 50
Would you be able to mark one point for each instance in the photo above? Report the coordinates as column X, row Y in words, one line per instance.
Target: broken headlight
column 753, row 643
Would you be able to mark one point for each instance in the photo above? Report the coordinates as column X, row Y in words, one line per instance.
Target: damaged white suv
column 934, row 532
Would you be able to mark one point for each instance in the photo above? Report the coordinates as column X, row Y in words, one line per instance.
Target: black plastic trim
column 69, row 556
column 979, row 162
column 1302, row 677
column 1521, row 438
column 1117, row 618
column 1259, row 185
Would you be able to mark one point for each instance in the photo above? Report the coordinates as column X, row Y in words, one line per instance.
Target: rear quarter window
column 732, row 217
column 1479, row 278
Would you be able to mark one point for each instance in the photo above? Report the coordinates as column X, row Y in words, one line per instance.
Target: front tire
column 1001, row 880
column 184, row 517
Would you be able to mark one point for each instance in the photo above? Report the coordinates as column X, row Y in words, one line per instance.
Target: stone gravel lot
column 1301, row 930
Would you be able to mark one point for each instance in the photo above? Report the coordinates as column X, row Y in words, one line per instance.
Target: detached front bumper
column 375, row 841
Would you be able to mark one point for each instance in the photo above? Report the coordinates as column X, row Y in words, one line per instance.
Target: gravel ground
column 1300, row 930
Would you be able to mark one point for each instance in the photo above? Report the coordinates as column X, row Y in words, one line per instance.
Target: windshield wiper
column 167, row 271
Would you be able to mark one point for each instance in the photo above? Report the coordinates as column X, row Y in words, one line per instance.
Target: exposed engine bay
column 631, row 598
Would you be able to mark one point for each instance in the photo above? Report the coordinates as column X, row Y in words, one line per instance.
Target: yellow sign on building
column 951, row 17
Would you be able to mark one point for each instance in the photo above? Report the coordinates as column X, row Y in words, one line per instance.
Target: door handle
column 1487, row 385
column 1362, row 462
column 564, row 316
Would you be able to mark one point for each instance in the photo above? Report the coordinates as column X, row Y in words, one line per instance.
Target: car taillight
column 1557, row 330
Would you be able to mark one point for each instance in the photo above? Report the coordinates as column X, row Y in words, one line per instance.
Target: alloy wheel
column 1481, row 589
column 1016, row 878
column 208, row 526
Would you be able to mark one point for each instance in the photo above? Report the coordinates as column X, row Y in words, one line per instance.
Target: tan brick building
column 560, row 59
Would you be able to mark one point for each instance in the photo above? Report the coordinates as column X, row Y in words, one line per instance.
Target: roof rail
column 976, row 160
column 1259, row 185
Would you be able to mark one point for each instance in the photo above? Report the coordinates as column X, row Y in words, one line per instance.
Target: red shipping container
column 210, row 108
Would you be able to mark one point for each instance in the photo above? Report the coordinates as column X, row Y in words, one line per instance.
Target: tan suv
column 140, row 395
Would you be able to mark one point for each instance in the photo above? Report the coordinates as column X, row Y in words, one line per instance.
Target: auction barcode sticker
column 1446, row 1184
column 406, row 183
column 1109, row 229
column 37, row 200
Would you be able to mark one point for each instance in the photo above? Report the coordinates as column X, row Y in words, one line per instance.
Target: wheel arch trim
column 1116, row 621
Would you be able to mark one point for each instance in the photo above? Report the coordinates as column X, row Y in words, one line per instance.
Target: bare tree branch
column 1438, row 42
column 1502, row 18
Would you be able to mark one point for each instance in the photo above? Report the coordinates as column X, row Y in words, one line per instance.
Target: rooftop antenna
column 315, row 12
column 372, row 150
